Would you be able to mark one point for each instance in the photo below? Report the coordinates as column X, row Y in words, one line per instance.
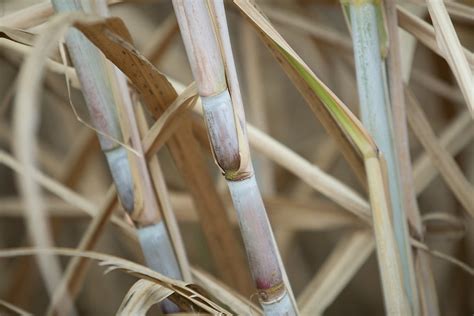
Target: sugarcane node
column 237, row 175
column 272, row 294
column 136, row 215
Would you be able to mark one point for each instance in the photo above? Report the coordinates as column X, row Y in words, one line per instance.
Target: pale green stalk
column 323, row 101
column 376, row 117
column 204, row 32
column 428, row 301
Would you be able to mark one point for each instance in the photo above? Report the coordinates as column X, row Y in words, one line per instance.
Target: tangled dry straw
column 111, row 161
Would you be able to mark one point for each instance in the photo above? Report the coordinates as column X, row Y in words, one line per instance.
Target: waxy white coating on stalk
column 229, row 65
column 100, row 103
column 376, row 116
column 230, row 146
column 154, row 239
column 261, row 249
column 203, row 54
column 93, row 75
column 279, row 308
column 158, row 251
column 122, row 175
column 218, row 109
column 159, row 256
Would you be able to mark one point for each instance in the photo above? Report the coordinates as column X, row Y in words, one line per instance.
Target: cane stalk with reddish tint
column 99, row 81
column 204, row 31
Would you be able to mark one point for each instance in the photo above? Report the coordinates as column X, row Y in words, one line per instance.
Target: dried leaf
column 10, row 309
column 448, row 42
column 115, row 263
column 17, row 35
column 141, row 297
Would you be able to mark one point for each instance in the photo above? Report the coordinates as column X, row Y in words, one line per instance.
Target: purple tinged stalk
column 211, row 63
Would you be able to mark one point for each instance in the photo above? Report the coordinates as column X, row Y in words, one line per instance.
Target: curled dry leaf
column 141, row 297
column 112, row 263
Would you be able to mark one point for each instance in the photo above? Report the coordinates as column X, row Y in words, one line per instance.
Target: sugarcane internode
column 223, row 137
column 220, row 122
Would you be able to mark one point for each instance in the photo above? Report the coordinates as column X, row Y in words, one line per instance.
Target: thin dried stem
column 63, row 192
column 350, row 253
column 257, row 106
column 425, row 33
column 28, row 17
column 74, row 275
column 452, row 51
column 445, row 163
column 455, row 137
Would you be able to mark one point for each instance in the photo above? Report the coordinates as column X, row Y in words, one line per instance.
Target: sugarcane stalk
column 375, row 113
column 98, row 89
column 320, row 97
column 154, row 238
column 212, row 66
column 428, row 302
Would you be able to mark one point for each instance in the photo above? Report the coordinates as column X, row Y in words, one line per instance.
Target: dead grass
column 324, row 181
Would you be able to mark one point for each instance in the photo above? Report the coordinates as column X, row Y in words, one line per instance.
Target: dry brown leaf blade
column 171, row 118
column 114, row 40
column 324, row 116
column 17, row 35
column 226, row 295
column 10, row 309
column 113, row 263
column 141, row 297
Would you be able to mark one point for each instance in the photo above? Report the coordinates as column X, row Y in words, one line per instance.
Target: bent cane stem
column 375, row 108
column 312, row 87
